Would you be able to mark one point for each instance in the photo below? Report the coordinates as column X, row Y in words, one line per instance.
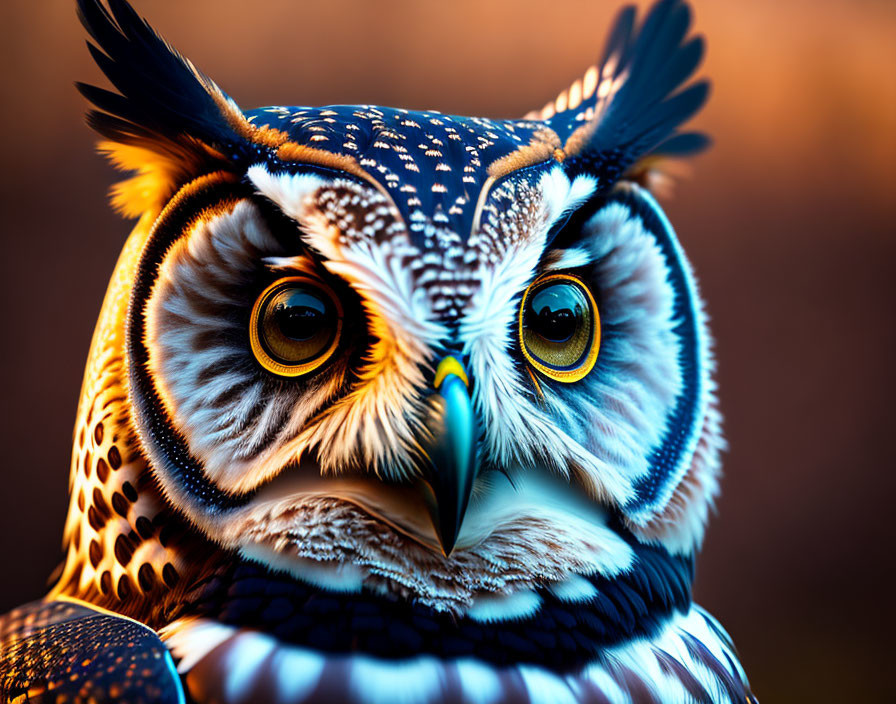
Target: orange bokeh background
column 789, row 221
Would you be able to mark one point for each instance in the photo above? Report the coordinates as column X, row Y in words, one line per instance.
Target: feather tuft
column 167, row 121
column 630, row 105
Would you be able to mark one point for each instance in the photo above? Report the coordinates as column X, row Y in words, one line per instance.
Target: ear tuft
column 167, row 121
column 631, row 104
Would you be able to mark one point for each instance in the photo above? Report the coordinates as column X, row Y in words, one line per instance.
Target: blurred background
column 789, row 221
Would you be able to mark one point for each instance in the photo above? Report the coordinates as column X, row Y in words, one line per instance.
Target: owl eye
column 560, row 327
column 295, row 326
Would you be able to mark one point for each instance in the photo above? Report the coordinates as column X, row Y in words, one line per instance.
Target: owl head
column 444, row 357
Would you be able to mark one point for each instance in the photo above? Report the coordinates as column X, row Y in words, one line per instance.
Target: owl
column 388, row 405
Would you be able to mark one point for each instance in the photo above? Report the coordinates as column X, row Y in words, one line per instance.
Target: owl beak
column 449, row 444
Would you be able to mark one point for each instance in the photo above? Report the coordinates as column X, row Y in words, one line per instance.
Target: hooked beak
column 449, row 445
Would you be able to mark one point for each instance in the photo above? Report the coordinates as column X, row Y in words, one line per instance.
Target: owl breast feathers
column 389, row 405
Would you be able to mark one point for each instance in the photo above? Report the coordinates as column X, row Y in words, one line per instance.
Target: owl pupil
column 556, row 312
column 300, row 316
column 555, row 325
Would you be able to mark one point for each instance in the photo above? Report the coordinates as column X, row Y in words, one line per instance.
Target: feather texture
column 280, row 530
column 631, row 104
column 161, row 94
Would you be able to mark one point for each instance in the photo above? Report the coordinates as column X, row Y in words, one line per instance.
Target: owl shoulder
column 69, row 649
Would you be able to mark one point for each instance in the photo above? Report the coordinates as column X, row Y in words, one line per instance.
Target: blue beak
column 449, row 446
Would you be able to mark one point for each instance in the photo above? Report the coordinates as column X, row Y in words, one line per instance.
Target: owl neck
column 124, row 549
column 686, row 658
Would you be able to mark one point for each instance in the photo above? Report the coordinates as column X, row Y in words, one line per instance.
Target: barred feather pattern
column 690, row 660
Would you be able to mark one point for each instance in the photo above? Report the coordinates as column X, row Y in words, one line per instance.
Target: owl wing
column 628, row 106
column 71, row 650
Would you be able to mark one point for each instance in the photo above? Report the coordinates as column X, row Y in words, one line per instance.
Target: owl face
column 365, row 343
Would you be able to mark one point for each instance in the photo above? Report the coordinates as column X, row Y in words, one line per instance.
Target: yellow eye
column 295, row 326
column 559, row 327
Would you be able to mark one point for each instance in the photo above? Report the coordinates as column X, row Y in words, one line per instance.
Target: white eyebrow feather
column 301, row 263
column 571, row 258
